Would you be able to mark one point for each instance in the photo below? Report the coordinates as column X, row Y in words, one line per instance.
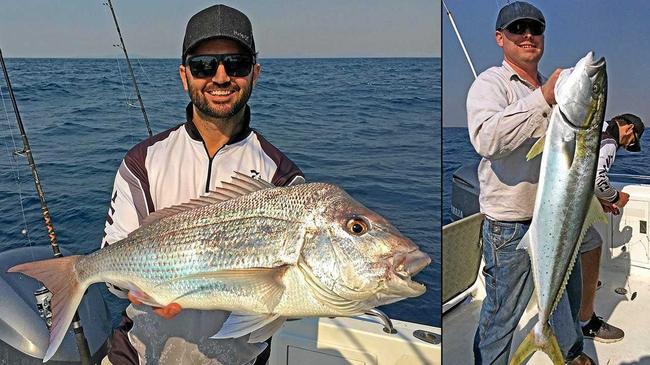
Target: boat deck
column 356, row 340
column 631, row 315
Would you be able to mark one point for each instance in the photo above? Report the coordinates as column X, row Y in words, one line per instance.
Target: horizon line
column 170, row 58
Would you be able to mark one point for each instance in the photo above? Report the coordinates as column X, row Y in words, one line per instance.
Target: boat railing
column 615, row 177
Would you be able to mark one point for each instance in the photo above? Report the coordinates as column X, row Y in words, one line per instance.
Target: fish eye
column 595, row 89
column 357, row 226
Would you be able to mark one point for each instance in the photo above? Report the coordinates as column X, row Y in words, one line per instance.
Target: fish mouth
column 409, row 264
column 595, row 67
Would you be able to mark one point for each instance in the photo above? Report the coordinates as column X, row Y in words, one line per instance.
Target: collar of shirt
column 193, row 132
column 541, row 79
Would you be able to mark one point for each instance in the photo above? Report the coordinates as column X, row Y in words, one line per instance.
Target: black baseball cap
column 518, row 10
column 638, row 130
column 218, row 21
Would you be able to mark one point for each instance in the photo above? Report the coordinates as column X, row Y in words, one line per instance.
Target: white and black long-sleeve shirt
column 172, row 168
column 603, row 189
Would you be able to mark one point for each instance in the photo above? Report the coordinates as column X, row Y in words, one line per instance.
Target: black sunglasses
column 519, row 27
column 206, row 65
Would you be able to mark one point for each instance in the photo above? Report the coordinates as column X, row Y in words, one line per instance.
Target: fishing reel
column 43, row 299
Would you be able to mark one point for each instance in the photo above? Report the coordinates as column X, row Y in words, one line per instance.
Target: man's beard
column 199, row 100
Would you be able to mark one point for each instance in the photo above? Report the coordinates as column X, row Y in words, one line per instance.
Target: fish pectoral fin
column 525, row 242
column 241, row 324
column 264, row 333
column 200, row 289
column 266, row 281
column 537, row 148
column 546, row 342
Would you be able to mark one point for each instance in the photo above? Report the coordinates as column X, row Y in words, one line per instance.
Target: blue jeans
column 509, row 285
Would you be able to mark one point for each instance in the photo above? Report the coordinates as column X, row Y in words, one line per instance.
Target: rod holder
column 388, row 325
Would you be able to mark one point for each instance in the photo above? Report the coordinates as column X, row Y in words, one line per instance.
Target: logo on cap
column 241, row 35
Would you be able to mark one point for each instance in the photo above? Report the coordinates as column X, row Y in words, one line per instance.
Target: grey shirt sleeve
column 498, row 122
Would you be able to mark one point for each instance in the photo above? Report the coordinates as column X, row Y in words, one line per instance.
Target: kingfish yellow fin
column 547, row 343
column 595, row 214
column 537, row 148
column 240, row 324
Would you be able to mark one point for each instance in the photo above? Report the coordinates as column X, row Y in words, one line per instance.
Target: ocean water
column 369, row 125
column 458, row 151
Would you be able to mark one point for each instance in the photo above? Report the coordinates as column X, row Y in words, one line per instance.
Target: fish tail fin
column 546, row 342
column 60, row 278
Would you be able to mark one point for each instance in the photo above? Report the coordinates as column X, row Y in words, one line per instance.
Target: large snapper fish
column 565, row 205
column 263, row 252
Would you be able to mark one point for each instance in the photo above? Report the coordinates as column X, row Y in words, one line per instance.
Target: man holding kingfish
column 624, row 131
column 508, row 110
column 218, row 70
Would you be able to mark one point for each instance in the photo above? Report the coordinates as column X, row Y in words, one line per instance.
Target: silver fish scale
column 261, row 229
column 565, row 189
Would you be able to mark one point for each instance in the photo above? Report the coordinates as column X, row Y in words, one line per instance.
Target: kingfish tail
column 546, row 342
column 60, row 277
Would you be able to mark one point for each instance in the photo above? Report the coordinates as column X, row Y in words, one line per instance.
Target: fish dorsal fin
column 537, row 148
column 175, row 209
column 246, row 180
column 239, row 186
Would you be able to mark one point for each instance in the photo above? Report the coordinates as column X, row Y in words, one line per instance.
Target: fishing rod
column 80, row 338
column 128, row 62
column 460, row 39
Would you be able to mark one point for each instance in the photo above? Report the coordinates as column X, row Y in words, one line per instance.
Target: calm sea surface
column 458, row 151
column 369, row 125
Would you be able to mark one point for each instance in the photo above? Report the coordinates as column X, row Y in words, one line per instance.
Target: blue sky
column 287, row 28
column 616, row 30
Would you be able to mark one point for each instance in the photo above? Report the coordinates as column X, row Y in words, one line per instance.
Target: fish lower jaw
column 414, row 285
column 403, row 288
column 418, row 289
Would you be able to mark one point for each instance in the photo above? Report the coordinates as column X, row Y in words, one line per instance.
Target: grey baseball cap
column 518, row 10
column 218, row 21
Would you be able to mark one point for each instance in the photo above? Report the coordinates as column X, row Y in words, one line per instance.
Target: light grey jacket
column 505, row 116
